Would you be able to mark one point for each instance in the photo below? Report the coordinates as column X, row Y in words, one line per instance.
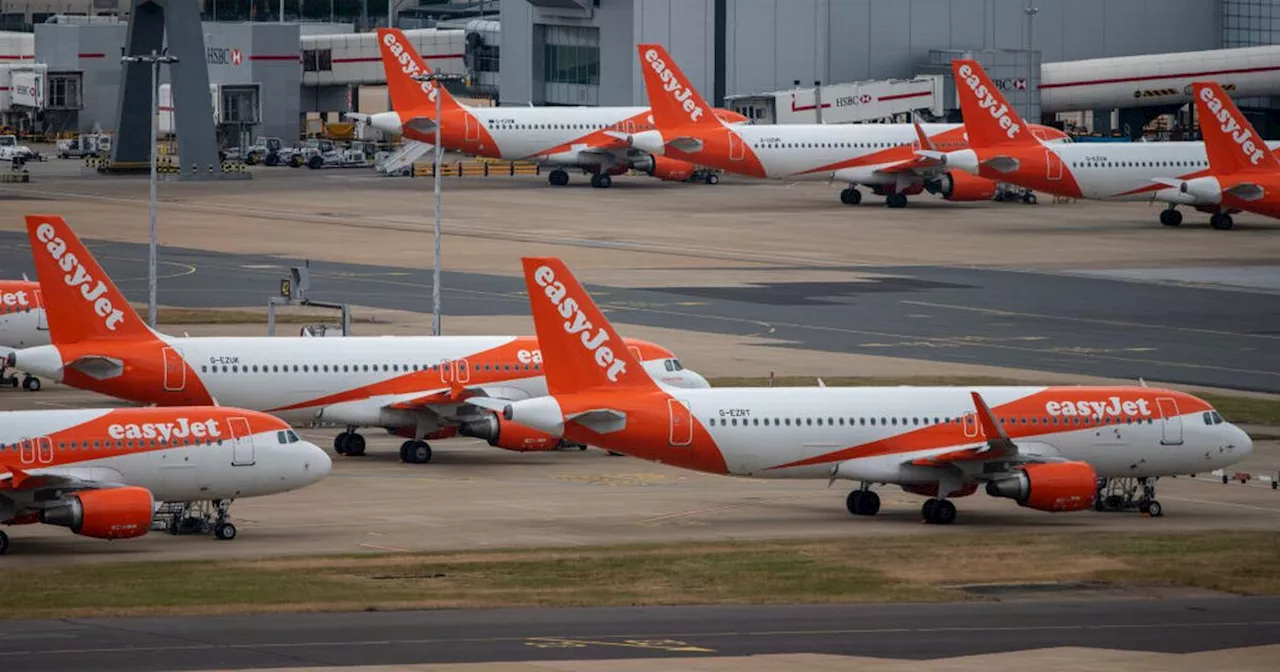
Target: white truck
column 87, row 144
column 12, row 151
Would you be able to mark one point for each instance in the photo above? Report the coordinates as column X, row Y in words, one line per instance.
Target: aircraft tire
column 1170, row 217
column 558, row 178
column 224, row 532
column 896, row 200
column 850, row 196
column 4, row 543
column 355, row 445
column 1221, row 222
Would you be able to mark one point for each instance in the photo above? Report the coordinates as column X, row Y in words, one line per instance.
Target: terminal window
column 567, row 64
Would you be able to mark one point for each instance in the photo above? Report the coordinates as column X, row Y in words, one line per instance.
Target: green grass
column 884, row 569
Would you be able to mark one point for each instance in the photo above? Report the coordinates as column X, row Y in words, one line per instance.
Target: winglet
column 996, row 436
column 401, row 62
column 989, row 120
column 19, row 476
column 81, row 302
column 1230, row 141
column 672, row 99
column 580, row 348
column 923, row 138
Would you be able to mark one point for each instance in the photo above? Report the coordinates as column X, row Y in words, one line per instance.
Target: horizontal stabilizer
column 98, row 367
column 421, row 124
column 1003, row 164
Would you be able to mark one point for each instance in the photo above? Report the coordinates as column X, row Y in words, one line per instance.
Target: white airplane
column 1044, row 447
column 22, row 324
column 405, row 384
column 1000, row 150
column 880, row 156
column 101, row 472
column 576, row 137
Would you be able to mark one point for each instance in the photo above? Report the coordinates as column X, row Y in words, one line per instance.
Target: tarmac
column 1171, row 634
column 739, row 279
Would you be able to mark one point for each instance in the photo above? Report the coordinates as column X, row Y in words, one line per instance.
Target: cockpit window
column 293, row 438
column 1217, row 419
column 676, row 365
column 667, row 363
column 280, row 437
column 1212, row 418
column 1208, row 418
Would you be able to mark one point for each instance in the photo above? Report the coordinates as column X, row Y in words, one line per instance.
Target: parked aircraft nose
column 694, row 380
column 317, row 464
column 1242, row 442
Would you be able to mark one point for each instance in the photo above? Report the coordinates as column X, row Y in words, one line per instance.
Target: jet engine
column 1057, row 486
column 960, row 186
column 508, row 435
column 663, row 168
column 116, row 513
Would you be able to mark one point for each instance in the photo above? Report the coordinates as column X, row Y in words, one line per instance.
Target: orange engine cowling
column 960, row 186
column 663, row 168
column 508, row 435
column 116, row 513
column 1058, row 486
column 931, row 489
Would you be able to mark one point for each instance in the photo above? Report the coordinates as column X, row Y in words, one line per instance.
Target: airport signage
column 223, row 56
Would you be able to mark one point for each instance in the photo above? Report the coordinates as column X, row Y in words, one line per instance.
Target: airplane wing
column 57, row 478
column 997, row 447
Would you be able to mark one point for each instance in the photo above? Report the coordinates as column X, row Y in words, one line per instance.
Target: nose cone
column 44, row 361
column 317, row 464
column 1242, row 442
column 385, row 121
column 695, row 381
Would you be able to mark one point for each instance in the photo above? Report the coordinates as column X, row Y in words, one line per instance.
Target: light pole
column 155, row 59
column 1031, row 15
column 436, row 78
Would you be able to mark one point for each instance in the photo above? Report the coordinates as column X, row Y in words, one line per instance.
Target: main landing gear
column 1126, row 494
column 349, row 443
column 558, row 178
column 850, row 196
column 415, row 452
column 1170, row 217
column 601, row 180
column 896, row 200
column 1221, row 221
column 863, row 502
column 938, row 512
column 208, row 517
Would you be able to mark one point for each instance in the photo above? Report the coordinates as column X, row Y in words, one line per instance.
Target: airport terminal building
column 777, row 61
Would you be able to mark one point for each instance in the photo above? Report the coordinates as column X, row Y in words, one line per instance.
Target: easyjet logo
column 529, row 356
column 180, row 429
column 989, row 100
column 593, row 338
column 1243, row 137
column 1112, row 406
column 94, row 291
column 407, row 64
column 16, row 299
column 681, row 92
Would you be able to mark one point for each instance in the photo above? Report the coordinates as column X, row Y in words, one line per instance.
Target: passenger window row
column 917, row 421
column 1139, row 164
column 357, row 368
column 109, row 444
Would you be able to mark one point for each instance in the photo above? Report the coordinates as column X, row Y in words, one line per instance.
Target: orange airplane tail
column 673, row 101
column 989, row 119
column 401, row 63
column 81, row 302
column 580, row 349
column 1231, row 142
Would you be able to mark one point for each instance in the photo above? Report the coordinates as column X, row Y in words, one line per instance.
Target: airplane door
column 44, row 450
column 971, row 428
column 175, row 371
column 1053, row 164
column 737, row 150
column 461, row 371
column 1170, row 421
column 241, row 442
column 27, row 451
column 42, row 316
column 473, row 128
column 681, row 422
column 446, row 371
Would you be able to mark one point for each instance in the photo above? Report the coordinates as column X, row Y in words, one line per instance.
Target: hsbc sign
column 222, row 56
column 28, row 90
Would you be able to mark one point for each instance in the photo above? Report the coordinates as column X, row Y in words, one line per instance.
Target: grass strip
column 915, row 568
